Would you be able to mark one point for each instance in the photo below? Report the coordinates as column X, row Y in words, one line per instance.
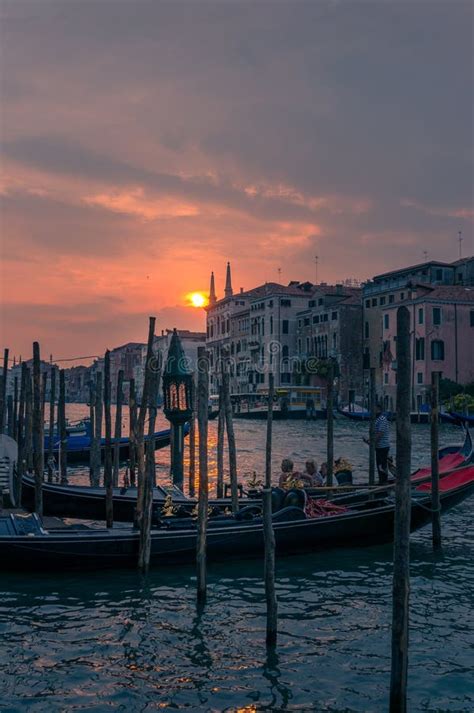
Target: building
column 392, row 289
column 332, row 327
column 254, row 331
column 442, row 327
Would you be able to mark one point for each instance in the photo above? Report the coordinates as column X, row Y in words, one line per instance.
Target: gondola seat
column 344, row 477
column 291, row 513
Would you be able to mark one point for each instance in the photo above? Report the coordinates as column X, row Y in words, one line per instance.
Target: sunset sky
column 147, row 143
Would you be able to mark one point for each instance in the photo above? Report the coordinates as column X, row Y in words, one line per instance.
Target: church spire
column 228, row 283
column 212, row 291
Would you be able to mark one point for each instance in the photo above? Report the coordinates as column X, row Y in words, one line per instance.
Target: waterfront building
column 254, row 331
column 390, row 289
column 331, row 327
column 442, row 327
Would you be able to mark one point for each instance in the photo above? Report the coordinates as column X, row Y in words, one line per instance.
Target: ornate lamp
column 178, row 403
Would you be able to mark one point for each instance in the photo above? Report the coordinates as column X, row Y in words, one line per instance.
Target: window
column 382, row 301
column 285, row 303
column 316, row 319
column 385, row 378
column 419, row 377
column 325, row 317
column 386, row 321
column 439, row 274
column 270, row 304
column 436, row 316
column 334, row 316
column 391, row 299
column 420, row 349
column 271, row 324
column 285, row 326
column 320, row 301
column 374, row 302
column 334, row 340
column 284, row 352
column 437, row 350
column 307, row 345
column 367, row 303
column 299, row 346
column 421, row 315
column 471, row 316
column 366, row 330
column 402, row 296
column 306, row 321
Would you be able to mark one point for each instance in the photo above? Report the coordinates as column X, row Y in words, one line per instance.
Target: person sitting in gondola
column 322, row 474
column 288, row 477
column 311, row 477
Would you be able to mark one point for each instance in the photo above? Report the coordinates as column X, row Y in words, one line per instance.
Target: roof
column 419, row 266
column 438, row 293
column 129, row 345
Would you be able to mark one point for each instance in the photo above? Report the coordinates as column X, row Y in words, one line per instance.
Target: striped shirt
column 382, row 427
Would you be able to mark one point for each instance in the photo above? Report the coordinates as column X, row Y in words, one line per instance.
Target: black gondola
column 79, row 445
column 87, row 502
column 26, row 545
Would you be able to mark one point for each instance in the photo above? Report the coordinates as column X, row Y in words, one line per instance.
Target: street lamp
column 178, row 403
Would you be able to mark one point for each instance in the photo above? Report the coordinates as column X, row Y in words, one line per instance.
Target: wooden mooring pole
column 52, row 399
column 15, row 408
column 268, row 533
column 145, row 524
column 38, row 441
column 132, row 418
column 92, row 429
column 62, row 427
column 330, row 423
column 401, row 548
column 3, row 391
column 220, row 444
column 118, row 427
column 28, row 453
column 192, row 447
column 21, row 433
column 95, row 454
column 435, row 500
column 373, row 409
column 229, row 422
column 140, row 432
column 109, row 499
column 10, row 419
column 203, row 418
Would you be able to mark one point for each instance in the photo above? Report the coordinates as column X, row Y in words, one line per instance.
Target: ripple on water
column 113, row 641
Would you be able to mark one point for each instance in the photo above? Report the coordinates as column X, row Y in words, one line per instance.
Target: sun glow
column 197, row 299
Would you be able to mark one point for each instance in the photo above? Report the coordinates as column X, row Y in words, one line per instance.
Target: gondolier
column 382, row 445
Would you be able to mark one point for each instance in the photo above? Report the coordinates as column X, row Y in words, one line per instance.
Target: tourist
column 322, row 474
column 309, row 477
column 286, row 474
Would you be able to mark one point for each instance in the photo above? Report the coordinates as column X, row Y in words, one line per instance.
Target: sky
column 144, row 144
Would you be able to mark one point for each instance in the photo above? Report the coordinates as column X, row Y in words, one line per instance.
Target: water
column 115, row 641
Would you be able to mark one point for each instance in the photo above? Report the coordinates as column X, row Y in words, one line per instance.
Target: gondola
column 79, row 445
column 462, row 418
column 25, row 544
column 88, row 502
column 361, row 414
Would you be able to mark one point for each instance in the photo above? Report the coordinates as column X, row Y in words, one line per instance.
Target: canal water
column 116, row 641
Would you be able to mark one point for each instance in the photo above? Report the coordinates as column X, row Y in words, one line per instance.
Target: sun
column 197, row 299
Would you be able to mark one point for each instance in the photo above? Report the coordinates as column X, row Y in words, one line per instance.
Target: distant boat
column 359, row 413
column 79, row 444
